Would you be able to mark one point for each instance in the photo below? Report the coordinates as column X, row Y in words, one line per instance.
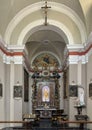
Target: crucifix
column 45, row 11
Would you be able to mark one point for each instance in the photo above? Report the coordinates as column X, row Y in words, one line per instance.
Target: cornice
column 15, row 59
column 74, row 59
column 78, row 53
column 11, row 53
column 72, row 54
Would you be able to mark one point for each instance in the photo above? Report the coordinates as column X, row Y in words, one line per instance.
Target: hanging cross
column 45, row 11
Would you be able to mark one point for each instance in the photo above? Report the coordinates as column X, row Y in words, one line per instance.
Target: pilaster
column 11, row 92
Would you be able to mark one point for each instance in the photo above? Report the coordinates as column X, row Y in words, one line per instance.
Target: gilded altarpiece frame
column 50, row 92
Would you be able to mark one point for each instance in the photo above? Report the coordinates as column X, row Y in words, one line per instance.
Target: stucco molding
column 49, row 27
column 74, row 54
column 11, row 53
column 15, row 59
column 79, row 53
column 66, row 10
column 16, row 47
column 34, row 7
column 74, row 59
column 75, row 47
column 30, row 26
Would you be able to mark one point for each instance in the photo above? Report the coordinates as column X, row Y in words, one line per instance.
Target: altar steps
column 56, row 128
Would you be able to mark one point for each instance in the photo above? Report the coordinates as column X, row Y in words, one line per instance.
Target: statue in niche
column 81, row 97
column 45, row 94
column 80, row 100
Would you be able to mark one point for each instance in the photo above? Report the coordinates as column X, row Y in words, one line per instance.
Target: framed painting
column 1, row 90
column 73, row 90
column 17, row 91
column 90, row 90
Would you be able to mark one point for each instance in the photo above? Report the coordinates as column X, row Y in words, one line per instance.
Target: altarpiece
column 45, row 88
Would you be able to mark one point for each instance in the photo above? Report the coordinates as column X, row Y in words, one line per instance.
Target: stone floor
column 45, row 124
column 42, row 128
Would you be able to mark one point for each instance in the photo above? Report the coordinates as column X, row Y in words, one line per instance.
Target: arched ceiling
column 22, row 22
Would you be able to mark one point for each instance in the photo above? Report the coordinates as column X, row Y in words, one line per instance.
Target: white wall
column 7, row 93
column 89, row 99
column 10, row 108
column 73, row 72
column 18, row 102
column 2, row 99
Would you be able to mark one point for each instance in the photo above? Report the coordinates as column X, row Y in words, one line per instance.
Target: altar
column 45, row 97
column 45, row 92
column 45, row 112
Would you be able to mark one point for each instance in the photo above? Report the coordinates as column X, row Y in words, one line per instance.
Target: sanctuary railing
column 63, row 125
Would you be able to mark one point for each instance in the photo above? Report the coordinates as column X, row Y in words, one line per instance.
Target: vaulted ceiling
column 68, row 22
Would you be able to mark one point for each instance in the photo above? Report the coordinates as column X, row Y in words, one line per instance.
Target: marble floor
column 45, row 124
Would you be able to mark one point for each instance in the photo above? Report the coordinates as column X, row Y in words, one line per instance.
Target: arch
column 56, row 6
column 49, row 27
column 25, row 31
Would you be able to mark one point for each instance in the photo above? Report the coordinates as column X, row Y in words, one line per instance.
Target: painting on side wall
column 73, row 90
column 17, row 91
column 90, row 90
column 1, row 90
